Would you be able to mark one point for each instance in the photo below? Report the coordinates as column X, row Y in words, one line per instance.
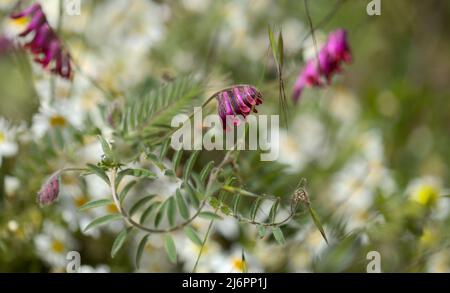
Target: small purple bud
column 50, row 189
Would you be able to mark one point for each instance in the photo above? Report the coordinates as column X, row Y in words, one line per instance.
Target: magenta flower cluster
column 237, row 100
column 44, row 44
column 320, row 70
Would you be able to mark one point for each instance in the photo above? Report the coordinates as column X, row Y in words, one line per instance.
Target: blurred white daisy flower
column 60, row 114
column 425, row 190
column 8, row 136
column 53, row 244
column 99, row 269
column 232, row 262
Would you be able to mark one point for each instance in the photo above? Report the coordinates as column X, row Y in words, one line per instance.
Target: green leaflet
column 255, row 208
column 192, row 235
column 94, row 204
column 160, row 214
column 148, row 211
column 279, row 237
column 164, row 149
column 126, row 189
column 209, row 216
column 102, row 220
column 99, row 172
column 140, row 203
column 140, row 250
column 176, row 159
column 205, row 171
column 171, row 209
column 273, row 212
column 317, row 222
column 119, row 241
column 182, row 207
column 170, row 248
column 189, row 165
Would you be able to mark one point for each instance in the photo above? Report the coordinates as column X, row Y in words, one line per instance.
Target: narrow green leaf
column 160, row 214
column 103, row 220
column 244, row 263
column 280, row 50
column 273, row 45
column 316, row 220
column 171, row 210
column 189, row 165
column 139, row 172
column 155, row 160
column 94, row 204
column 177, row 159
column 193, row 198
column 140, row 203
column 198, row 182
column 205, row 171
column 279, row 237
column 273, row 212
column 261, row 231
column 182, row 207
column 119, row 241
column 255, row 208
column 148, row 211
column 106, row 148
column 170, row 248
column 126, row 189
column 236, row 200
column 99, row 172
column 192, row 235
column 209, row 216
column 164, row 149
column 140, row 250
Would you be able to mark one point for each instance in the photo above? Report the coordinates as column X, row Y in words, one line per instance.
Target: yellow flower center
column 238, row 264
column 111, row 208
column 57, row 121
column 2, row 137
column 57, row 246
column 426, row 195
column 428, row 237
column 21, row 21
column 79, row 201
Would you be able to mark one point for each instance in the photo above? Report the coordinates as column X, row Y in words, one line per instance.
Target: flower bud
column 50, row 189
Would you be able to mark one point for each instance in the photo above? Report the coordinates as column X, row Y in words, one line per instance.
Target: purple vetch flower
column 45, row 44
column 237, row 100
column 338, row 46
column 320, row 70
column 50, row 189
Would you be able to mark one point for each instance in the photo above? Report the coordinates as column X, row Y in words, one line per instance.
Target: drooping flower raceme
column 237, row 100
column 50, row 189
column 44, row 44
column 320, row 70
